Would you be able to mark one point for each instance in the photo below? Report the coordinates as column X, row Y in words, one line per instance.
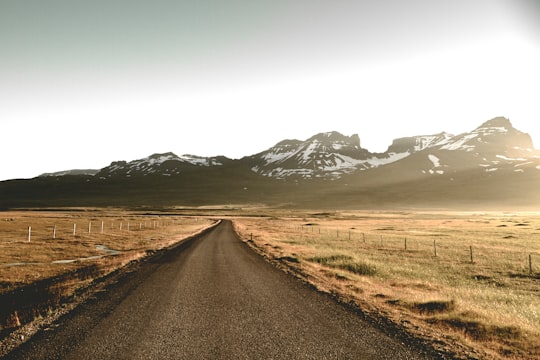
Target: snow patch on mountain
column 201, row 161
column 497, row 132
column 492, row 130
column 460, row 144
column 325, row 155
column 158, row 159
column 166, row 164
column 432, row 172
column 436, row 169
column 509, row 159
column 428, row 141
column 526, row 163
column 388, row 159
column 278, row 157
column 418, row 143
column 495, row 145
column 88, row 172
column 435, row 160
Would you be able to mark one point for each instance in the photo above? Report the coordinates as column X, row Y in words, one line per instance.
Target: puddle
column 94, row 257
column 69, row 261
column 20, row 264
column 65, row 261
column 107, row 250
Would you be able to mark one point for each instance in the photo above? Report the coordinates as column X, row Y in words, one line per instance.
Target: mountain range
column 494, row 165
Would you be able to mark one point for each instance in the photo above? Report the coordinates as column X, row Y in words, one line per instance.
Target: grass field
column 471, row 280
column 47, row 257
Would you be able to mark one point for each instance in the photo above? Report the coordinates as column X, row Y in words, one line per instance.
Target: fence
column 39, row 241
column 62, row 230
column 514, row 254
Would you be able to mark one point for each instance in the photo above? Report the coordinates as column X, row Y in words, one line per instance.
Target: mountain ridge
column 337, row 154
column 493, row 162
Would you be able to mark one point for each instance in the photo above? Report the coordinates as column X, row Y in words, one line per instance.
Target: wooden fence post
column 530, row 264
column 405, row 244
column 89, row 227
column 74, row 229
column 54, row 232
column 102, row 227
column 29, row 233
column 435, row 247
column 472, row 259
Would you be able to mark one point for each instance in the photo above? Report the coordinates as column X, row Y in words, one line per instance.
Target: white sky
column 83, row 83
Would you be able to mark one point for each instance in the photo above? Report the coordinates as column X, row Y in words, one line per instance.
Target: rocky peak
column 418, row 143
column 499, row 136
column 325, row 155
column 334, row 137
column 498, row 122
column 494, row 136
column 166, row 164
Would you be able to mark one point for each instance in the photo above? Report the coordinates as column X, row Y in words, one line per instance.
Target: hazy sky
column 84, row 83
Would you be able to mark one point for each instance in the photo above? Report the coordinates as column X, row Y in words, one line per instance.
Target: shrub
column 345, row 262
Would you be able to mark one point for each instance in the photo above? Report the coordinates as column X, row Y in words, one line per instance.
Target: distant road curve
column 212, row 298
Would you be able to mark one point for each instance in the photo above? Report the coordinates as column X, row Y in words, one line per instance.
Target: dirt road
column 213, row 298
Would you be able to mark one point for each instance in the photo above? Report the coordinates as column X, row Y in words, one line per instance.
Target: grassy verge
column 468, row 282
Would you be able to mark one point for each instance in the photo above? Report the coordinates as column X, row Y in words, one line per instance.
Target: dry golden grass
column 383, row 261
column 415, row 268
column 59, row 258
column 97, row 234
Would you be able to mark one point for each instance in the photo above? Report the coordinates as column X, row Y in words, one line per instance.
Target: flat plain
column 466, row 282
column 212, row 297
column 469, row 280
column 51, row 257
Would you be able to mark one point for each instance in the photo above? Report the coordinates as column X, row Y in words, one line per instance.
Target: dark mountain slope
column 494, row 164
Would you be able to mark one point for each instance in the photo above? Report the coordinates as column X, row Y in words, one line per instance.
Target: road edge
column 377, row 319
column 12, row 340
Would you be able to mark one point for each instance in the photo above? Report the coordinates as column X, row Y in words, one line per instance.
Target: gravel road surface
column 212, row 298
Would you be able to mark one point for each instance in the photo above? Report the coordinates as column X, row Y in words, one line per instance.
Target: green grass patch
column 345, row 262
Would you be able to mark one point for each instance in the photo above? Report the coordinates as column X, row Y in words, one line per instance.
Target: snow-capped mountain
column 327, row 155
column 418, row 143
column 166, row 164
column 493, row 146
column 90, row 172
column 492, row 164
column 333, row 155
column 492, row 137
